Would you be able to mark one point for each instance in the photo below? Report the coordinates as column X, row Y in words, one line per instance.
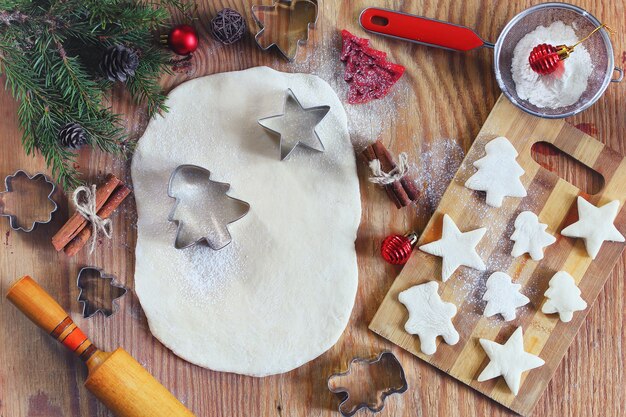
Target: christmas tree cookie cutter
column 27, row 200
column 98, row 292
column 203, row 210
column 367, row 383
column 285, row 24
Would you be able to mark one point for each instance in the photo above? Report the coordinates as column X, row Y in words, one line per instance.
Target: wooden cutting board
column 554, row 201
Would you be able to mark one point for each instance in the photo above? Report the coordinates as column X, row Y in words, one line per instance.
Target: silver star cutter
column 296, row 125
column 202, row 210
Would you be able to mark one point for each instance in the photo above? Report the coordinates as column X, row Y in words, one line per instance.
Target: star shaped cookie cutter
column 383, row 369
column 34, row 200
column 202, row 210
column 292, row 20
column 300, row 132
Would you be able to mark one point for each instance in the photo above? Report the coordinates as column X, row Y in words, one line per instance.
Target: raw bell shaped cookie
column 530, row 236
column 509, row 360
column 563, row 297
column 429, row 316
column 456, row 248
column 503, row 297
column 498, row 173
column 595, row 225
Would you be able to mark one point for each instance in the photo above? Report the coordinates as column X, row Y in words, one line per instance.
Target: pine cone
column 119, row 62
column 72, row 136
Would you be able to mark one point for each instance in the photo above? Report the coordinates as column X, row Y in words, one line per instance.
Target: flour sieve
column 445, row 35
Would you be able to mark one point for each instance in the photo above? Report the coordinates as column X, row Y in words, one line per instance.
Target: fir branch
column 49, row 50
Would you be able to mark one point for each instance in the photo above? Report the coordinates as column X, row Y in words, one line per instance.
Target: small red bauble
column 183, row 39
column 544, row 59
column 396, row 249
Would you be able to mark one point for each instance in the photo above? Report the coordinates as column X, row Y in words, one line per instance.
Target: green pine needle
column 49, row 54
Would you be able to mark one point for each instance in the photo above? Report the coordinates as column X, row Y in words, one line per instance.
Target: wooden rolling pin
column 118, row 380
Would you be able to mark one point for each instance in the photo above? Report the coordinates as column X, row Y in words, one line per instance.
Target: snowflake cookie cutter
column 98, row 291
column 284, row 24
column 383, row 374
column 202, row 210
column 302, row 132
column 30, row 189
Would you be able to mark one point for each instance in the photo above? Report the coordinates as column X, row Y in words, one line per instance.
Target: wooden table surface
column 433, row 114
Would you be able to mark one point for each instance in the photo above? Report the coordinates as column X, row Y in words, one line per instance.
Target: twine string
column 383, row 178
column 85, row 201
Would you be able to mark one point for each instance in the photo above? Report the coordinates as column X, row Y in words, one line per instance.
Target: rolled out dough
column 281, row 293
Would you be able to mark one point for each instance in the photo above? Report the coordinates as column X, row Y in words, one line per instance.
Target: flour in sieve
column 552, row 90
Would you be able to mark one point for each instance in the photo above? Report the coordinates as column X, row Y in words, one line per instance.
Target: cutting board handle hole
column 566, row 167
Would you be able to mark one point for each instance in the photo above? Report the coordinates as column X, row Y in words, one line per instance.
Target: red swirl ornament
column 544, row 59
column 396, row 249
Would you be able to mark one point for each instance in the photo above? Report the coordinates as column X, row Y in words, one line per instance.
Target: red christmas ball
column 544, row 59
column 396, row 249
column 183, row 39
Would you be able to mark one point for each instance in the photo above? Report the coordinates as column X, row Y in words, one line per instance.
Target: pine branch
column 49, row 51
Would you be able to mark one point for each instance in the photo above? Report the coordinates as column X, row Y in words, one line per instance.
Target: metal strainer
column 459, row 38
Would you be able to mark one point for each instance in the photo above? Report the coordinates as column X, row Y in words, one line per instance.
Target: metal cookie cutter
column 296, row 125
column 367, row 383
column 98, row 292
column 202, row 210
column 24, row 203
column 285, row 24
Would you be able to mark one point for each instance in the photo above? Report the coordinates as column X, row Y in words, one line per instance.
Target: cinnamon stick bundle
column 76, row 232
column 402, row 192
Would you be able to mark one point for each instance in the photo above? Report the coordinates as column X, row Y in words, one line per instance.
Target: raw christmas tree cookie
column 563, row 297
column 498, row 173
column 503, row 297
column 530, row 236
column 595, row 225
column 456, row 248
column 429, row 316
column 508, row 360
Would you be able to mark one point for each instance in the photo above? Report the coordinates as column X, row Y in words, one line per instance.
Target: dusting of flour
column 553, row 91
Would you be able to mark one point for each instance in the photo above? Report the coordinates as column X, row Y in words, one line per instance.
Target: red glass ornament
column 396, row 249
column 183, row 39
column 544, row 59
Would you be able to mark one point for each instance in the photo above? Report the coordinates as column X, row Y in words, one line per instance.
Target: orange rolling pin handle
column 45, row 312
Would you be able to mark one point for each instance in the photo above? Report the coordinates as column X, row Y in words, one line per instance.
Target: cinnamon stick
column 105, row 212
column 77, row 222
column 402, row 192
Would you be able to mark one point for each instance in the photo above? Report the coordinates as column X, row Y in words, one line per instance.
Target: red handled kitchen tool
column 445, row 35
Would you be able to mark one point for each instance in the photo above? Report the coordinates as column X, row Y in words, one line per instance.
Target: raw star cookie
column 456, row 248
column 508, row 360
column 595, row 225
column 503, row 297
column 429, row 316
column 498, row 173
column 530, row 236
column 563, row 297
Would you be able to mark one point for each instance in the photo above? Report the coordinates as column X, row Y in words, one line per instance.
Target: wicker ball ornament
column 228, row 26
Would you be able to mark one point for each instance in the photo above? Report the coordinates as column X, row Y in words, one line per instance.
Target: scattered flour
column 553, row 90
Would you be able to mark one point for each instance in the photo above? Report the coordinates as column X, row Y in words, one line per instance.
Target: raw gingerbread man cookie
column 508, row 360
column 530, row 236
column 563, row 297
column 498, row 173
column 429, row 316
column 503, row 297
column 456, row 248
column 595, row 225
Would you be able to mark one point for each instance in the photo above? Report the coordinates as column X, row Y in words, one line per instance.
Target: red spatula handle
column 419, row 29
